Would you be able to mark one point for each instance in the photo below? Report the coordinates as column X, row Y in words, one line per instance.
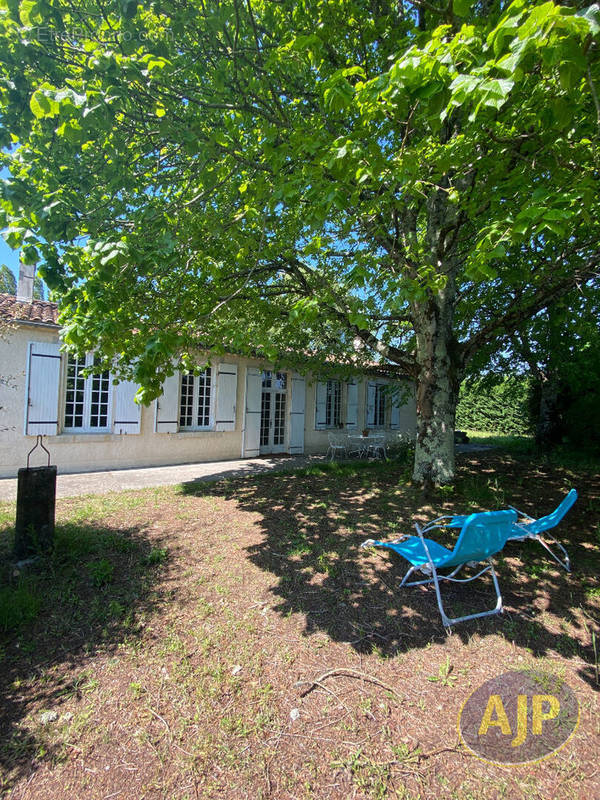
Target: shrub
column 500, row 406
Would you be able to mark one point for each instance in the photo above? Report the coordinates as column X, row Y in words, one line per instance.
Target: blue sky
column 9, row 257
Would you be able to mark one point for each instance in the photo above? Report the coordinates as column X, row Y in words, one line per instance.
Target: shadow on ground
column 313, row 522
column 88, row 597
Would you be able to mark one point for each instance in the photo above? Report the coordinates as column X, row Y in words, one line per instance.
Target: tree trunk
column 548, row 427
column 438, row 383
column 437, row 352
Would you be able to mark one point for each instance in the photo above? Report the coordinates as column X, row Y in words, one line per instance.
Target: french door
column 273, row 412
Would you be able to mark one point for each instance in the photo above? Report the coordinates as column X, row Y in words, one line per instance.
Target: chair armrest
column 522, row 513
column 526, row 533
column 368, row 543
column 437, row 523
column 422, row 538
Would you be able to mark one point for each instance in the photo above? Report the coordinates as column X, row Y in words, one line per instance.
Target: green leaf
column 29, row 254
column 42, row 105
column 339, row 96
column 30, row 13
column 568, row 76
column 70, row 130
column 128, row 8
column 462, row 7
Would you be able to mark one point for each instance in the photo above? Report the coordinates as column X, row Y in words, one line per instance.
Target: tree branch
column 509, row 322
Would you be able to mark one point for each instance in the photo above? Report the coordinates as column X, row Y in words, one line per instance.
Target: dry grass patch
column 177, row 634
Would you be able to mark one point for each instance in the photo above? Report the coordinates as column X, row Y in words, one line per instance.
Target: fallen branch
column 325, row 689
column 348, row 673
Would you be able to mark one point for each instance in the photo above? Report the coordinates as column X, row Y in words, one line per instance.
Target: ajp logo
column 519, row 717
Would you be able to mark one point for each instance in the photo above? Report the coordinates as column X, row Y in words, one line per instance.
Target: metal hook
column 38, row 443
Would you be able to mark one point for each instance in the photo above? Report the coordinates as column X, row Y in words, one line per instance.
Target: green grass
column 93, row 573
column 522, row 445
column 563, row 455
column 19, row 604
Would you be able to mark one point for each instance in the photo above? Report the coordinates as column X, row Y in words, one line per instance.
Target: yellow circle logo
column 519, row 717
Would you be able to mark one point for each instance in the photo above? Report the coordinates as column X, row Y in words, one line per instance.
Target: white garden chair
column 338, row 445
column 377, row 447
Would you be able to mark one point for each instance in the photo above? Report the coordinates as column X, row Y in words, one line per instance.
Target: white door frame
column 274, row 432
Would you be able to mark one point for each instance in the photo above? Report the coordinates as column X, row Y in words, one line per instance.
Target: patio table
column 360, row 445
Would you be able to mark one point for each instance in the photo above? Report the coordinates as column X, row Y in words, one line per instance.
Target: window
column 333, row 404
column 274, row 380
column 328, row 404
column 87, row 401
column 376, row 405
column 195, row 400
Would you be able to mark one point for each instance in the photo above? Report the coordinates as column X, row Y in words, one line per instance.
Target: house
column 238, row 408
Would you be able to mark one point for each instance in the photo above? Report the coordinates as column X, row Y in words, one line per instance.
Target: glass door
column 273, row 412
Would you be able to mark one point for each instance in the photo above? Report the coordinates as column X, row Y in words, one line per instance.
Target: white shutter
column 41, row 394
column 251, row 432
column 371, row 404
column 126, row 412
column 352, row 404
column 296, row 445
column 166, row 414
column 226, row 397
column 321, row 404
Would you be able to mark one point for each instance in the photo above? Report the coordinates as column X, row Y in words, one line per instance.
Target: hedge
column 503, row 406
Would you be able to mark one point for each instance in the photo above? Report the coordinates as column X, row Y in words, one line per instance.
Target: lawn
column 232, row 640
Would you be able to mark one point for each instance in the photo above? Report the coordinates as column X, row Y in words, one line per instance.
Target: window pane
column 334, row 404
column 204, row 385
column 379, row 405
column 75, row 393
column 265, row 418
column 279, row 422
column 266, row 379
column 186, row 404
column 99, row 400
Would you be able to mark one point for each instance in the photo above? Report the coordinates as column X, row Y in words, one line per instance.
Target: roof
column 41, row 312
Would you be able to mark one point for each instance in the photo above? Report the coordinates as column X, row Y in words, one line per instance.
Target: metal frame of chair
column 357, row 445
column 534, row 529
column 482, row 536
column 337, row 442
column 377, row 446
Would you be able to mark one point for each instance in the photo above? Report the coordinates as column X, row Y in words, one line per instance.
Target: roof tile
column 40, row 311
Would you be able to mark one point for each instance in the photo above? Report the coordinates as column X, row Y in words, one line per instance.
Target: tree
column 558, row 349
column 341, row 178
column 8, row 283
column 39, row 292
column 561, row 348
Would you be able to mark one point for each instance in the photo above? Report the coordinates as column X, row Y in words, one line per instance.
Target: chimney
column 25, row 287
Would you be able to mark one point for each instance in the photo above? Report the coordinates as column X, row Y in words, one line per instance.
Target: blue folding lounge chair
column 537, row 528
column 482, row 536
column 533, row 528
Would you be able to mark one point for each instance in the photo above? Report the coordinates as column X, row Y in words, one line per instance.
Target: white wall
column 100, row 451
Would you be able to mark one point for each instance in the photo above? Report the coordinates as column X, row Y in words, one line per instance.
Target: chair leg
column 426, row 581
column 447, row 622
column 410, row 572
column 566, row 564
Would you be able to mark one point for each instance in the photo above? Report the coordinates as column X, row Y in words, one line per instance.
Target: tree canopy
column 327, row 178
column 8, row 283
